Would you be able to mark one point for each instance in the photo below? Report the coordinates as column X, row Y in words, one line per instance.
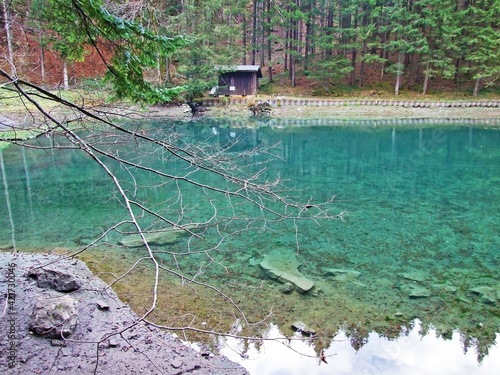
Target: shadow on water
column 418, row 248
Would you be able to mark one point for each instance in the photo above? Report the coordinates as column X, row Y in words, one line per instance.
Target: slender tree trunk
column 42, row 56
column 285, row 64
column 399, row 73
column 352, row 79
column 362, row 66
column 254, row 32
column 158, row 68
column 65, row 75
column 477, row 85
column 262, row 32
column 8, row 34
column 293, row 48
column 244, row 37
column 364, row 23
column 309, row 30
column 426, row 79
column 457, row 71
column 167, row 70
column 269, row 45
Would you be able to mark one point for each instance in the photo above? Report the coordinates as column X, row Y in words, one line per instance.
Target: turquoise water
column 422, row 211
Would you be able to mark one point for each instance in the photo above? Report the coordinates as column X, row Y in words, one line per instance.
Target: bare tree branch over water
column 235, row 193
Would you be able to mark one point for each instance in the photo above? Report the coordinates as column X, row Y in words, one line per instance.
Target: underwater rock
column 284, row 268
column 338, row 272
column 415, row 276
column 286, row 288
column 166, row 237
column 303, row 328
column 486, row 294
column 416, row 291
column 343, row 275
column 252, row 262
column 445, row 287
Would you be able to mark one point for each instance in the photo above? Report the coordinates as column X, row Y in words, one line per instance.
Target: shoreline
column 108, row 336
column 282, row 109
column 358, row 112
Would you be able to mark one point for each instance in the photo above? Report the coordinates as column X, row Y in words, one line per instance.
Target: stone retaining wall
column 285, row 102
column 356, row 122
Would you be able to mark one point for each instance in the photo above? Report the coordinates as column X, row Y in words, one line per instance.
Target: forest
column 422, row 45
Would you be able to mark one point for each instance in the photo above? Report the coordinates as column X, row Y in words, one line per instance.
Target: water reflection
column 411, row 354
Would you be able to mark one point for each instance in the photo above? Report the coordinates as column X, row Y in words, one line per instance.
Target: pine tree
column 405, row 36
column 483, row 30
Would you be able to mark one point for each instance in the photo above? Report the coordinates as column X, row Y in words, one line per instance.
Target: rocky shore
column 59, row 318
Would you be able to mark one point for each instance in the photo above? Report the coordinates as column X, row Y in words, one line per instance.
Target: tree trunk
column 364, row 22
column 6, row 26
column 158, row 68
column 65, row 76
column 254, row 32
column 167, row 70
column 426, row 80
column 244, row 37
column 477, row 85
column 269, row 46
column 42, row 56
column 285, row 63
column 309, row 32
column 262, row 44
column 457, row 71
column 354, row 52
column 399, row 74
column 352, row 78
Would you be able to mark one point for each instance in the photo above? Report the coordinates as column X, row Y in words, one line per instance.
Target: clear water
column 422, row 207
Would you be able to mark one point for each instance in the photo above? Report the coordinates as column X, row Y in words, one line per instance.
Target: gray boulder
column 54, row 317
column 54, row 278
column 284, row 268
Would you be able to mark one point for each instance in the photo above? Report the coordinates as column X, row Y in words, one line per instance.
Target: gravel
column 107, row 339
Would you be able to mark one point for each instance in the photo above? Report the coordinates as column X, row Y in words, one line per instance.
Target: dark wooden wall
column 245, row 83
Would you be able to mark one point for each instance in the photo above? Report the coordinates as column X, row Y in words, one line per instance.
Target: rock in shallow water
column 302, row 327
column 166, row 237
column 349, row 274
column 286, row 288
column 419, row 292
column 284, row 268
column 486, row 294
column 415, row 275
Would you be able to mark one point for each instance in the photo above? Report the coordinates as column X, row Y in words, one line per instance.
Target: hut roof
column 240, row 68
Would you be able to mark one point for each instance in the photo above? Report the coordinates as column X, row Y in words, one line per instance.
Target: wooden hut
column 239, row 79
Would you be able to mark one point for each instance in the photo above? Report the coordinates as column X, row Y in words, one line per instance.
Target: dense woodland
column 419, row 44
